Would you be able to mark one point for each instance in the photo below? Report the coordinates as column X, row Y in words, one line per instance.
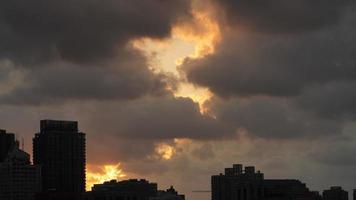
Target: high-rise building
column 247, row 184
column 335, row 193
column 60, row 150
column 19, row 180
column 6, row 141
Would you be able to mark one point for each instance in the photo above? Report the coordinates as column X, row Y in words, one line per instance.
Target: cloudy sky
column 176, row 90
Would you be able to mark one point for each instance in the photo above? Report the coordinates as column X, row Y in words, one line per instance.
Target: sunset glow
column 203, row 32
column 165, row 151
column 96, row 175
column 194, row 39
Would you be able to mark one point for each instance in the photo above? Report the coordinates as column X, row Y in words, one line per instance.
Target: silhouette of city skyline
column 58, row 173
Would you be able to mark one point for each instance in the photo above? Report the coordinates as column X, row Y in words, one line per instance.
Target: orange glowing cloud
column 165, row 151
column 100, row 174
column 203, row 32
column 193, row 39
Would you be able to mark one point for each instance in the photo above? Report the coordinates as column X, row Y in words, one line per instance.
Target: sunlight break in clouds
column 192, row 39
column 165, row 151
column 97, row 175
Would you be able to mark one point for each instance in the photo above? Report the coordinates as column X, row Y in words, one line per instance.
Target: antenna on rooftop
column 22, row 143
column 201, row 191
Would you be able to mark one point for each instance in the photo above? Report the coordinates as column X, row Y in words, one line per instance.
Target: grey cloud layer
column 275, row 118
column 81, row 30
column 279, row 65
column 281, row 16
column 63, row 81
column 158, row 118
column 79, row 49
column 284, row 68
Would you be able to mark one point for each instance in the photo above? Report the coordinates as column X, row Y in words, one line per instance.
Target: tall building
column 60, row 150
column 19, row 180
column 6, row 141
column 335, row 193
column 247, row 184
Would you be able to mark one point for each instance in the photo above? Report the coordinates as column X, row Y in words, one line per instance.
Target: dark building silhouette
column 19, row 180
column 6, row 141
column 239, row 184
column 60, row 150
column 354, row 194
column 132, row 189
column 335, row 193
column 169, row 194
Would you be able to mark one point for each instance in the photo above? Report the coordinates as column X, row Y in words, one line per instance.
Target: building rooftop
column 58, row 125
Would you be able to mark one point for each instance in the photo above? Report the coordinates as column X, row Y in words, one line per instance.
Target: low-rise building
column 132, row 189
column 169, row 194
column 247, row 184
column 335, row 193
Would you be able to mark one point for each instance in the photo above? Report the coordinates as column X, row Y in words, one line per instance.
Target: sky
column 176, row 90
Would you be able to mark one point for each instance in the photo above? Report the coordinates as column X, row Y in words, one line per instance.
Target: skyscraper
column 60, row 150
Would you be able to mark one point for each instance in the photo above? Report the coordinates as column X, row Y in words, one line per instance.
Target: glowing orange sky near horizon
column 194, row 40
column 96, row 175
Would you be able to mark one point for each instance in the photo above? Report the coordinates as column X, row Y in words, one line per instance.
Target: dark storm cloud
column 283, row 16
column 333, row 100
column 272, row 118
column 80, row 49
column 157, row 118
column 339, row 152
column 113, row 150
column 337, row 156
column 81, row 30
column 248, row 64
column 61, row 81
column 278, row 85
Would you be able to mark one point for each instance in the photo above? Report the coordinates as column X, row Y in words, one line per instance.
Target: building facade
column 19, row 180
column 59, row 148
column 247, row 184
column 335, row 193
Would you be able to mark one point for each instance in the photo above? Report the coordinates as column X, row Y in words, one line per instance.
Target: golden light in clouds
column 198, row 94
column 203, row 32
column 100, row 174
column 165, row 151
column 192, row 39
